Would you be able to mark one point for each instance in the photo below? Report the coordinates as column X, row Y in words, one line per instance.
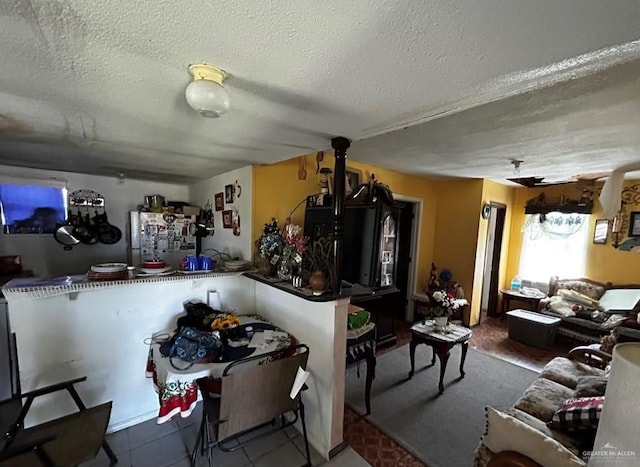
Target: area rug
column 440, row 430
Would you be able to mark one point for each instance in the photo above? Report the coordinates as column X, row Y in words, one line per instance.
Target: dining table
column 176, row 384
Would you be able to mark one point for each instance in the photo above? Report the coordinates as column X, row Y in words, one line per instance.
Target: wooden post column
column 340, row 146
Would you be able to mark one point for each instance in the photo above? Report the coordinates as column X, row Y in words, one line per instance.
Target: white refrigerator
column 165, row 236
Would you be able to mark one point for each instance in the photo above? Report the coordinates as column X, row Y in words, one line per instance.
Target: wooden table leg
column 465, row 347
column 443, row 354
column 412, row 355
column 371, row 374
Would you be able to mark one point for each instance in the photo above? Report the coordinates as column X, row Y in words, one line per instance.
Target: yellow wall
column 277, row 190
column 458, row 213
column 604, row 263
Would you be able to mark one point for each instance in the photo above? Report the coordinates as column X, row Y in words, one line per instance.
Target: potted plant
column 320, row 265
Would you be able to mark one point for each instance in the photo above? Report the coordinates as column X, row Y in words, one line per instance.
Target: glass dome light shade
column 208, row 98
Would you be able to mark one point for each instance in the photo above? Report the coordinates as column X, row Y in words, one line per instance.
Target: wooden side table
column 509, row 295
column 441, row 344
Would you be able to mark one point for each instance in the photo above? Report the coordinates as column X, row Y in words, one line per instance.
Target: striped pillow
column 582, row 413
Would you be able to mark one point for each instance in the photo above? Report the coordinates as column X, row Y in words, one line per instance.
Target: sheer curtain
column 553, row 244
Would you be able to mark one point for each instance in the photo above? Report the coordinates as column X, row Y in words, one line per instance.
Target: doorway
column 406, row 219
column 492, row 254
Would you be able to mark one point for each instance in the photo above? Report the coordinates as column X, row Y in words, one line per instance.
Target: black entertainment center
column 369, row 258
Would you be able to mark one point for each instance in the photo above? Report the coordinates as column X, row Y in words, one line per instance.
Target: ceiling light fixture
column 516, row 166
column 205, row 94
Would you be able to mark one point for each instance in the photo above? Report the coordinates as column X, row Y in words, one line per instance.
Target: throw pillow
column 505, row 433
column 582, row 413
column 591, row 386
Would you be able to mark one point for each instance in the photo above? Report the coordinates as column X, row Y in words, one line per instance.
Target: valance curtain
column 553, row 244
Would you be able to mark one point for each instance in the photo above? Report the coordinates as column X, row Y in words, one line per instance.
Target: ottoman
column 532, row 328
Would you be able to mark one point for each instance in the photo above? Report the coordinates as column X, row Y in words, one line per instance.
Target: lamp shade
column 206, row 94
column 208, row 98
column 618, row 436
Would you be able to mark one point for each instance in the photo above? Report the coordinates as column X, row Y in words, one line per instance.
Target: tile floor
column 151, row 445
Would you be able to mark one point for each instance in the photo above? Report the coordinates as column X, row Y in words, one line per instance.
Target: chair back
column 257, row 391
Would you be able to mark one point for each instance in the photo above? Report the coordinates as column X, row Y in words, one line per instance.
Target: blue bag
column 193, row 346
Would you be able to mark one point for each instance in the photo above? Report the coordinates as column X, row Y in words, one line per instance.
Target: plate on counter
column 154, row 274
column 199, row 271
column 106, row 276
column 106, row 268
column 155, row 271
column 236, row 265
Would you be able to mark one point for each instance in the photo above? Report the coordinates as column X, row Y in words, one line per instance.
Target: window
column 31, row 208
column 554, row 244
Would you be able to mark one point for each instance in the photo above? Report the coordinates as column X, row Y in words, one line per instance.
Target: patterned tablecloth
column 177, row 389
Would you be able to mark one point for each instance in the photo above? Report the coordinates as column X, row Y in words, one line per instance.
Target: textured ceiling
column 98, row 87
column 582, row 126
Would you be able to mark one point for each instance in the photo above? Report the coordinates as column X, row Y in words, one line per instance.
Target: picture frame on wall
column 354, row 179
column 601, row 232
column 219, row 201
column 634, row 224
column 227, row 219
column 228, row 194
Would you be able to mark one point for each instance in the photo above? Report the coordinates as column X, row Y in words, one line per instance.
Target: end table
column 441, row 344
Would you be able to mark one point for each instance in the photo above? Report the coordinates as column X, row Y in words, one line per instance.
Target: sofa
column 529, row 440
column 580, row 325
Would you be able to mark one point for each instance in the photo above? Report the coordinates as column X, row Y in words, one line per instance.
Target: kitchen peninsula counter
column 68, row 327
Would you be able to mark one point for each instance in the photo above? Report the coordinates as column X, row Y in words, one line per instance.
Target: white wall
column 323, row 327
column 45, row 256
column 224, row 240
column 101, row 334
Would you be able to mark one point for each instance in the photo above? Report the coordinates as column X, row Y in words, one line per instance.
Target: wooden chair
column 68, row 440
column 254, row 394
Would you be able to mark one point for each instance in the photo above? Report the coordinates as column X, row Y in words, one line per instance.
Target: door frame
column 414, row 252
column 494, row 285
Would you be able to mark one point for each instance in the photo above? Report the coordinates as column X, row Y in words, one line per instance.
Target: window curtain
column 554, row 244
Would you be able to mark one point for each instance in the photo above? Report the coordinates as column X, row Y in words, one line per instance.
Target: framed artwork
column 228, row 193
column 634, row 224
column 227, row 219
column 354, row 177
column 219, row 201
column 601, row 231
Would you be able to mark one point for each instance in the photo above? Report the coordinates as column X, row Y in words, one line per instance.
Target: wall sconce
column 205, row 94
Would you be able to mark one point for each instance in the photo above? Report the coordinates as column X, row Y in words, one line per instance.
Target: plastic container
column 532, row 328
column 516, row 283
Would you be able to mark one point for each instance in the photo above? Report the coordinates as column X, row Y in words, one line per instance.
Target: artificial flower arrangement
column 224, row 322
column 271, row 242
column 443, row 304
column 295, row 244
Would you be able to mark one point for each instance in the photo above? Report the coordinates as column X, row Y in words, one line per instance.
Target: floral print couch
column 555, row 384
column 581, row 327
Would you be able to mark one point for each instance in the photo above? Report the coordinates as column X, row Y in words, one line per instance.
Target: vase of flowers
column 294, row 246
column 442, row 308
column 269, row 248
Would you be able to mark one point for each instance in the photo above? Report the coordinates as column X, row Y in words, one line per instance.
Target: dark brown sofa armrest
column 511, row 459
column 590, row 356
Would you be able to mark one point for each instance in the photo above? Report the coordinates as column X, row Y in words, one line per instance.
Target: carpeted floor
column 439, row 430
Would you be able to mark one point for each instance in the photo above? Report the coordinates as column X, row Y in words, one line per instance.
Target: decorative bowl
column 109, row 267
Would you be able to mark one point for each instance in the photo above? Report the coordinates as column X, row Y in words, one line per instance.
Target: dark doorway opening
column 404, row 260
column 493, row 251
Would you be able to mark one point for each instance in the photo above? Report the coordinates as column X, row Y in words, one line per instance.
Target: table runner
column 454, row 333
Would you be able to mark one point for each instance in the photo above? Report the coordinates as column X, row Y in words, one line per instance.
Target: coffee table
column 424, row 332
